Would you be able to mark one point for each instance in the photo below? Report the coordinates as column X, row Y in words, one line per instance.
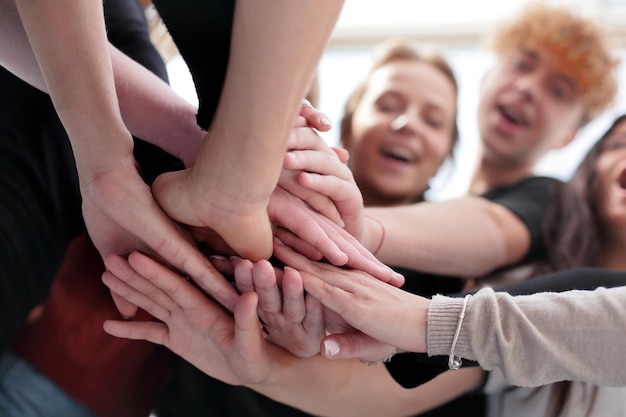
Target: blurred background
column 458, row 29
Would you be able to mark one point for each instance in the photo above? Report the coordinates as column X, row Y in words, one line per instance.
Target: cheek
column 437, row 147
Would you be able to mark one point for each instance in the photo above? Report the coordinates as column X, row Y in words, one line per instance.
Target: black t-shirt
column 40, row 208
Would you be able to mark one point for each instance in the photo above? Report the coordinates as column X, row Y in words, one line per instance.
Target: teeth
column 400, row 153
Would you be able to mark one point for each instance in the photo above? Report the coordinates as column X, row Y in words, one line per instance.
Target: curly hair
column 578, row 46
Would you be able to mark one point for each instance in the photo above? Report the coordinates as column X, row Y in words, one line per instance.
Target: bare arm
column 149, row 107
column 469, row 236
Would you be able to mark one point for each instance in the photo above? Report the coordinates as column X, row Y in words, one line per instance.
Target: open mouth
column 513, row 115
column 621, row 180
column 399, row 154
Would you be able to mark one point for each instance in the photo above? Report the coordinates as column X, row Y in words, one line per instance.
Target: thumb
column 355, row 345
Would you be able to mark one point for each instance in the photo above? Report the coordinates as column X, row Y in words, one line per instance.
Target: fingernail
column 278, row 241
column 325, row 121
column 235, row 258
column 331, row 348
column 217, row 257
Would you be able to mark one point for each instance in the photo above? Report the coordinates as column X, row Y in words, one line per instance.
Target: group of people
column 518, row 283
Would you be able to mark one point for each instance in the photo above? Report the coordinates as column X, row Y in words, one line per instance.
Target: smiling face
column 401, row 131
column 611, row 172
column 527, row 107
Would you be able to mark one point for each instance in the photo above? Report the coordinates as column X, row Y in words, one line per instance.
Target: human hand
column 121, row 216
column 318, row 237
column 313, row 117
column 320, row 171
column 193, row 326
column 291, row 320
column 375, row 308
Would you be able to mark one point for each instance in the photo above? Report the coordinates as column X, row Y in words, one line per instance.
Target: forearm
column 350, row 388
column 154, row 112
column 537, row 339
column 467, row 237
column 69, row 41
column 275, row 50
column 149, row 107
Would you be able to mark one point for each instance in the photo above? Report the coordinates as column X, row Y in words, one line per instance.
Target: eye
column 562, row 90
column 522, row 63
column 615, row 145
column 388, row 104
column 434, row 121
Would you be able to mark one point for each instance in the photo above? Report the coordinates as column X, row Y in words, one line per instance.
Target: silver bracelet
column 454, row 362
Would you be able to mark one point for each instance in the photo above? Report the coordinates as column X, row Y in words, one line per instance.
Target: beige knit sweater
column 537, row 339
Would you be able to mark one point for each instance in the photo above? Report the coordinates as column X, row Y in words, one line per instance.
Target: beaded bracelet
column 454, row 362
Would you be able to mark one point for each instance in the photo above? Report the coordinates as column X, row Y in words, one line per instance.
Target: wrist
column 374, row 234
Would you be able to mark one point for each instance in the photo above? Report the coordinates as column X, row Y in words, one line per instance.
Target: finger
column 342, row 154
column 249, row 343
column 286, row 238
column 122, row 269
column 139, row 299
column 359, row 257
column 314, row 320
column 355, row 345
column 315, row 160
column 327, row 289
column 244, row 279
column 344, row 194
column 164, row 285
column 314, row 117
column 311, row 232
column 137, row 330
column 318, row 201
column 269, row 297
column 222, row 264
column 294, row 307
column 125, row 307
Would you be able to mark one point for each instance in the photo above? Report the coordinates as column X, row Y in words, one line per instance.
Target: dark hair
column 573, row 234
column 572, row 229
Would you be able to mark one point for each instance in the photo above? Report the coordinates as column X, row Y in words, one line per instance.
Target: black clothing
column 40, row 209
column 201, row 30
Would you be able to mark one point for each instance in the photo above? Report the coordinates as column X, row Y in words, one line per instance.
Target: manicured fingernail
column 331, row 348
column 325, row 121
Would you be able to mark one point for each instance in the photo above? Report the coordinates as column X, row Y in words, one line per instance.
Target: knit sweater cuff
column 442, row 319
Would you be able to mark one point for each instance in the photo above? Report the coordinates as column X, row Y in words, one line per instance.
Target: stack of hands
column 328, row 288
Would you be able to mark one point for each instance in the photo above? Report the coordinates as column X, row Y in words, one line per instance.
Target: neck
column 490, row 175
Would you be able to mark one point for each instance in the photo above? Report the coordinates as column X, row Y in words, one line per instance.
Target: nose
column 407, row 123
column 529, row 85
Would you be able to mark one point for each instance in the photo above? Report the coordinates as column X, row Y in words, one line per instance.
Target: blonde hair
column 391, row 51
column 578, row 44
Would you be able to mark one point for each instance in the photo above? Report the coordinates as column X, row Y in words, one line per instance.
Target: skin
column 611, row 171
column 527, row 108
column 401, row 132
column 550, row 111
column 235, row 351
column 86, row 101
